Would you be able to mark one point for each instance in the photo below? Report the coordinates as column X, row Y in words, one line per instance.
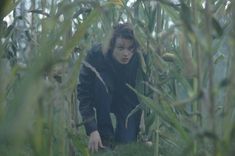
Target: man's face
column 123, row 50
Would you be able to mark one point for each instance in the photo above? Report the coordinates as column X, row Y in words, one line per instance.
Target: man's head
column 123, row 43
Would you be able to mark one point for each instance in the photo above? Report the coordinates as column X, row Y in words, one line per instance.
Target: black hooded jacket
column 97, row 62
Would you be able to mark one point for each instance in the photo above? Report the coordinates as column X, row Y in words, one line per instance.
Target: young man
column 103, row 86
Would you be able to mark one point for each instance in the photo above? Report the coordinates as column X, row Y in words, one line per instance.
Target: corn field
column 188, row 46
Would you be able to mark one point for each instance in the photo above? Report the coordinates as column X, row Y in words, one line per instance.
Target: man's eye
column 120, row 48
column 131, row 48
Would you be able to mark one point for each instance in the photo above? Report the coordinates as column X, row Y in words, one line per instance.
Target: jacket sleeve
column 86, row 97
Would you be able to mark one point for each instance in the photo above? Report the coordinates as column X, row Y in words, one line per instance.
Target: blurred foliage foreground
column 188, row 48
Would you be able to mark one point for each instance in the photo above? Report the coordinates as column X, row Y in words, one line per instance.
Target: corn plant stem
column 229, row 96
column 160, row 22
column 196, row 52
column 210, row 72
column 195, row 110
column 65, row 122
column 156, row 134
column 197, row 80
column 43, row 3
column 157, row 130
column 33, row 2
column 210, row 62
column 229, row 99
column 50, row 129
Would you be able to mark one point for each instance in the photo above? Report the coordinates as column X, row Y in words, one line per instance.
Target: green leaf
column 143, row 64
column 152, row 18
column 217, row 27
column 7, row 6
column 173, row 14
column 92, row 17
column 80, row 146
column 186, row 16
column 136, row 109
column 164, row 111
column 37, row 11
column 219, row 58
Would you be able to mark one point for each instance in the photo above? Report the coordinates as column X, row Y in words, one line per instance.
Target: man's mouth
column 125, row 59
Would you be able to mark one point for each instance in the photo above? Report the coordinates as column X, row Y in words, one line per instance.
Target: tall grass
column 38, row 102
column 191, row 99
column 188, row 48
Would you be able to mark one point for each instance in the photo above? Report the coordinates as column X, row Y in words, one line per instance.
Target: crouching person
column 103, row 89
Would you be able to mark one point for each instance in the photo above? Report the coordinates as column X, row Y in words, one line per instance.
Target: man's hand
column 95, row 141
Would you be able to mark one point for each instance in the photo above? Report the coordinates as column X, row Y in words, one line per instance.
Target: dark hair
column 123, row 30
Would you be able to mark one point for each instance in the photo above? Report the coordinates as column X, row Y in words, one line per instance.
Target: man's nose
column 126, row 52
